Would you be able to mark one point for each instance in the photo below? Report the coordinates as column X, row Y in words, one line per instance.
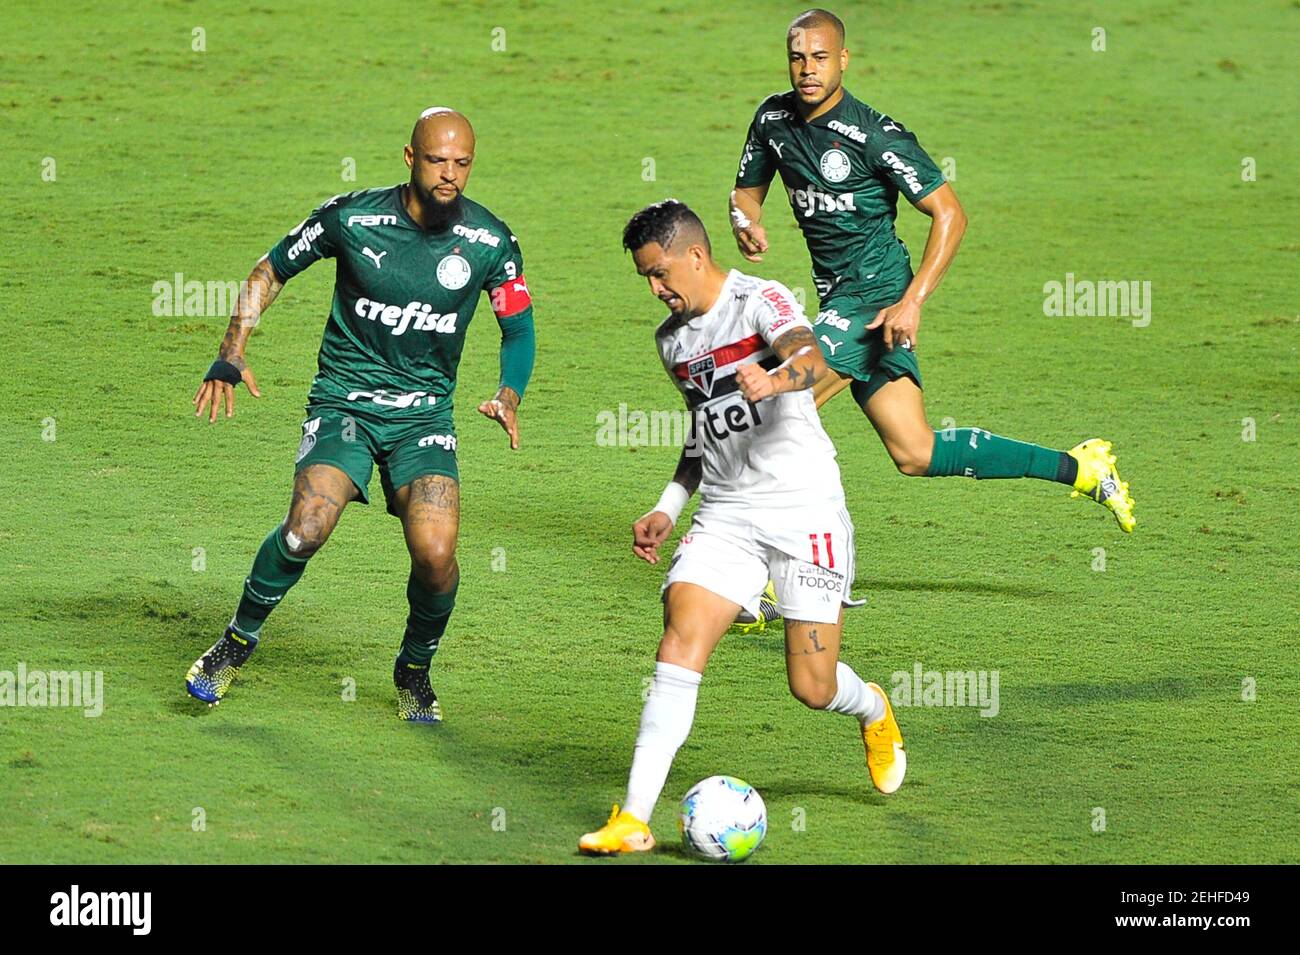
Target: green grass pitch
column 1157, row 695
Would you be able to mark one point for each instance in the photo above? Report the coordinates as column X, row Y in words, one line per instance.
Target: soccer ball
column 722, row 819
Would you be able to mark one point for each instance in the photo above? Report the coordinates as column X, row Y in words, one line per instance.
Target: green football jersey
column 843, row 173
column 403, row 297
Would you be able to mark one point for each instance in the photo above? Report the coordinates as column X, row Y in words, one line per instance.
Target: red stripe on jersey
column 725, row 354
column 510, row 297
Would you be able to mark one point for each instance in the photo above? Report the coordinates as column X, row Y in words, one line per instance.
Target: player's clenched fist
column 751, row 239
column 648, row 533
column 755, row 383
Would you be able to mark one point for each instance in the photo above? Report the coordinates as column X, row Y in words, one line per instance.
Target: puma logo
column 831, row 345
column 376, row 256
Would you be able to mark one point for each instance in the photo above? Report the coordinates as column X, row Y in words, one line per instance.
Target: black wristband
column 223, row 370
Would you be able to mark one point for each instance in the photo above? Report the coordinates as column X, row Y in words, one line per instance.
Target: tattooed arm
column 801, row 365
column 256, row 296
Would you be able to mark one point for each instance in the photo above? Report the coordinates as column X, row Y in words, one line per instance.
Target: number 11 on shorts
column 816, row 551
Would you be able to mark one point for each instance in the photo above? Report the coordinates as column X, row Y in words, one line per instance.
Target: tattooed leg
column 430, row 511
column 822, row 681
column 320, row 493
column 811, row 652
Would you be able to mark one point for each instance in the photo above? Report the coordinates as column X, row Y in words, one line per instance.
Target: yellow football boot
column 746, row 624
column 623, row 833
column 1098, row 480
column 886, row 758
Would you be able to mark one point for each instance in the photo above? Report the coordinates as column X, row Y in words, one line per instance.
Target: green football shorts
column 403, row 449
column 841, row 330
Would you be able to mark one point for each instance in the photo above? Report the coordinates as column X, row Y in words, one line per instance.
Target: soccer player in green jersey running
column 411, row 260
column 844, row 165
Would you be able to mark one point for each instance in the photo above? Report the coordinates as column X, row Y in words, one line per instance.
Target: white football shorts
column 805, row 550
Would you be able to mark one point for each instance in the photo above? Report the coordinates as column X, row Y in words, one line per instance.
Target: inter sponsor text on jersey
column 759, row 453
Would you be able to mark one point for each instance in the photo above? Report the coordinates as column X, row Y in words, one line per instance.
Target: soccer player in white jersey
column 771, row 506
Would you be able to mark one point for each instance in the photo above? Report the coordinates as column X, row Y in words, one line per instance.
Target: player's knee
column 813, row 693
column 677, row 647
column 912, row 458
column 672, row 646
column 306, row 531
column 434, row 563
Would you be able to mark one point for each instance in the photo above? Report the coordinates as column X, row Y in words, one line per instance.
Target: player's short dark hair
column 665, row 222
column 817, row 17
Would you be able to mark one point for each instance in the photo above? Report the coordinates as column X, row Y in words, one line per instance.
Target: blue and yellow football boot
column 416, row 701
column 211, row 675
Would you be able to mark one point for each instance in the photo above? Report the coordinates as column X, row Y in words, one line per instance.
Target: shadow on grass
column 866, row 586
column 862, row 795
column 1081, row 694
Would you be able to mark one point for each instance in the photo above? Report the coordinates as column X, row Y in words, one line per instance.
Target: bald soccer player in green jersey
column 844, row 165
column 410, row 263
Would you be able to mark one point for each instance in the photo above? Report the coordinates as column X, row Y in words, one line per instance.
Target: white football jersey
column 752, row 453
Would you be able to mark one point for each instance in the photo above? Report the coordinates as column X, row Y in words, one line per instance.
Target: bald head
column 439, row 155
column 816, row 19
column 441, row 123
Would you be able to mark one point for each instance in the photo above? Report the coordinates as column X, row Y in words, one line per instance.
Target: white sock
column 665, row 724
column 853, row 697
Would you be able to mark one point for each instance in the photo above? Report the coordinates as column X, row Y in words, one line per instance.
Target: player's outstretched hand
column 648, row 533
column 901, row 321
column 755, row 383
column 751, row 240
column 501, row 409
column 212, row 394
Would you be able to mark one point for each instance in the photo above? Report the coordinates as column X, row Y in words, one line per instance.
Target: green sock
column 971, row 452
column 426, row 623
column 274, row 571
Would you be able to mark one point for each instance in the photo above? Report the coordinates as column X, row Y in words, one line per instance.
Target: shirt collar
column 833, row 113
column 699, row 321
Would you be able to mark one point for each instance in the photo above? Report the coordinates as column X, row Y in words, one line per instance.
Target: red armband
column 510, row 297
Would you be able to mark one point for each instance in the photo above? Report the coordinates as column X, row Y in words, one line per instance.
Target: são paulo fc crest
column 835, row 165
column 453, row 272
column 700, row 373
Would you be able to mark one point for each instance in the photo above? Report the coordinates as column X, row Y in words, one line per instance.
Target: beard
column 440, row 215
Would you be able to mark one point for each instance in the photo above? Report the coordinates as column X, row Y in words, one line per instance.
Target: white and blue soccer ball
column 722, row 819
